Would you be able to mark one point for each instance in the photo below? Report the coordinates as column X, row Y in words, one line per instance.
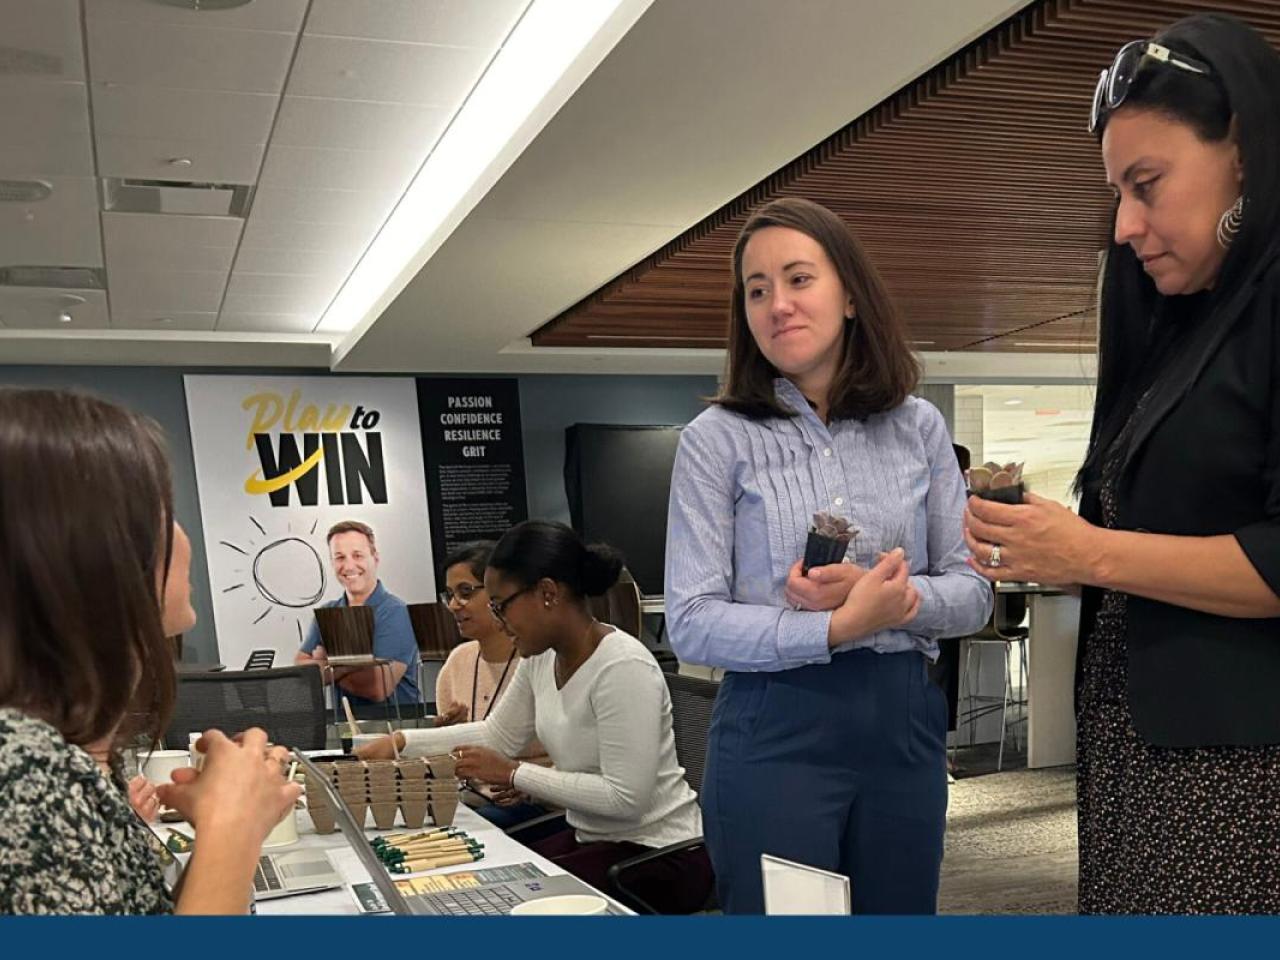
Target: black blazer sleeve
column 1261, row 540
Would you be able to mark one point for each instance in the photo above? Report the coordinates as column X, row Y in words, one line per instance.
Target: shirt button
column 826, row 452
column 839, row 501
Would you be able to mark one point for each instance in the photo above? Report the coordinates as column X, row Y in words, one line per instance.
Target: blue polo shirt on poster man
column 393, row 639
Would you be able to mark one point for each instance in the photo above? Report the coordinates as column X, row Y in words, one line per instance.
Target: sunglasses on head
column 1115, row 81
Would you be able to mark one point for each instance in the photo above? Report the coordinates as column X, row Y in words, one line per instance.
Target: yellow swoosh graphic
column 255, row 484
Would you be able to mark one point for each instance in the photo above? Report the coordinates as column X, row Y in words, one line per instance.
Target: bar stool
column 1003, row 630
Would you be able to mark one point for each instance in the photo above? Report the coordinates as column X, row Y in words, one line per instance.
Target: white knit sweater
column 608, row 732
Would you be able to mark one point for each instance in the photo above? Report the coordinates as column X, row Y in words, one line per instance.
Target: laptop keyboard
column 265, row 878
column 475, row 902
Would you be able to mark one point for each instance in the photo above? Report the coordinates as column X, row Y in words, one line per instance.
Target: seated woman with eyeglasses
column 478, row 671
column 597, row 700
column 93, row 579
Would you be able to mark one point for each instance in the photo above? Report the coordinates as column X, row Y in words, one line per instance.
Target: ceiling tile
column 238, row 303
column 347, row 208
column 148, row 242
column 303, row 168
column 165, row 292
column 460, row 23
column 32, row 308
column 267, row 322
column 283, row 15
column 211, row 162
column 41, row 39
column 121, row 320
column 176, row 114
column 343, row 69
column 297, row 262
column 309, row 237
column 54, row 120
column 358, row 125
column 194, row 58
column 304, row 289
column 60, row 231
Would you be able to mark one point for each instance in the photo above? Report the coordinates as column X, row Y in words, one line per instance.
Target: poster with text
column 278, row 461
column 475, row 458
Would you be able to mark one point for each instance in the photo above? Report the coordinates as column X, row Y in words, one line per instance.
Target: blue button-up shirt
column 743, row 495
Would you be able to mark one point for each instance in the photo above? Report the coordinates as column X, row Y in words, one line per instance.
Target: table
column 1051, row 673
column 499, row 849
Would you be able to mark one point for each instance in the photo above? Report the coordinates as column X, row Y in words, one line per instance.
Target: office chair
column 287, row 702
column 437, row 634
column 692, row 700
column 1003, row 630
column 260, row 660
column 620, row 605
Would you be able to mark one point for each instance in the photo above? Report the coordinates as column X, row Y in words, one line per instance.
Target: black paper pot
column 820, row 551
column 1011, row 494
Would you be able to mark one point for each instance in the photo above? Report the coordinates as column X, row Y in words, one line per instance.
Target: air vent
column 59, row 278
column 16, row 62
column 176, row 197
column 24, row 191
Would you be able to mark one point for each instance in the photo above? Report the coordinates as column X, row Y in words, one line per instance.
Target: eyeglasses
column 499, row 607
column 1114, row 82
column 463, row 594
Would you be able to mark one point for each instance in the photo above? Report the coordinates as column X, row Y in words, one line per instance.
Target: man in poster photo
column 353, row 552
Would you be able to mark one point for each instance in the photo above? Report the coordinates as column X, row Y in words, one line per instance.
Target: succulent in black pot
column 828, row 540
column 992, row 481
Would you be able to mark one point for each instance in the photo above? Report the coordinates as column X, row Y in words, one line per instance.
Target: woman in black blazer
column 1177, row 546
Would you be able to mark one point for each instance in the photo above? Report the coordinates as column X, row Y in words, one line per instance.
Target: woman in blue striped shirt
column 828, row 743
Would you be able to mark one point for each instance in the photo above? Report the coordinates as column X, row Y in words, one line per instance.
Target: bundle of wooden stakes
column 415, row 852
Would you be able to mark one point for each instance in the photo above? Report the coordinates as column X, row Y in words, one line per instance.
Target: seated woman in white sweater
column 596, row 699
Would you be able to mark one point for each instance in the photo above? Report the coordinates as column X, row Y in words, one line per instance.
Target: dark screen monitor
column 618, row 480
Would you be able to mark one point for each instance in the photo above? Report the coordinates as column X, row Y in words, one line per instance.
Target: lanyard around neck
column 475, row 680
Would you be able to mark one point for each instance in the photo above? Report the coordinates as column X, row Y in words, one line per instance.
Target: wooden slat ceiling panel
column 977, row 191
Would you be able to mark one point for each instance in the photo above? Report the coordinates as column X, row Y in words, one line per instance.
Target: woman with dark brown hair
column 93, row 579
column 827, row 743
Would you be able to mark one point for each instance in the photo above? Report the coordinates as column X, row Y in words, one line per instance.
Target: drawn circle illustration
column 289, row 573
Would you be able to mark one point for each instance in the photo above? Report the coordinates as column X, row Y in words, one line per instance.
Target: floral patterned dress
column 69, row 841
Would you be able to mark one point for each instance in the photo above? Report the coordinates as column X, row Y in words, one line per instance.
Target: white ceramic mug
column 283, row 833
column 159, row 764
column 570, row 905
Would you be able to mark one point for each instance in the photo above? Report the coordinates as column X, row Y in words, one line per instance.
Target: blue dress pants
column 840, row 766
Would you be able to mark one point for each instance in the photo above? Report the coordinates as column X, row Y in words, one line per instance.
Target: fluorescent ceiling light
column 547, row 56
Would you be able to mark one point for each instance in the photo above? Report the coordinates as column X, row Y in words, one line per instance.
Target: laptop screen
column 793, row 888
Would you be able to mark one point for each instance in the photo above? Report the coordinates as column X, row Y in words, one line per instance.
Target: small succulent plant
column 993, row 476
column 828, row 540
column 833, row 527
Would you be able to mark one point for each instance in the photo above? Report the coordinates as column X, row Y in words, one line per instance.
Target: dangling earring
column 1230, row 222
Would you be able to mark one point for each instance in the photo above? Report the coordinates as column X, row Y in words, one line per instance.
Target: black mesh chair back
column 260, row 660
column 692, row 699
column 435, row 630
column 287, row 702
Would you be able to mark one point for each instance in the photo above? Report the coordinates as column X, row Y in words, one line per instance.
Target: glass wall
column 1045, row 426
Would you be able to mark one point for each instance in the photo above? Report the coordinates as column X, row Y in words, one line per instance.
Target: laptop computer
column 346, row 633
column 521, row 882
column 792, row 888
column 299, row 871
